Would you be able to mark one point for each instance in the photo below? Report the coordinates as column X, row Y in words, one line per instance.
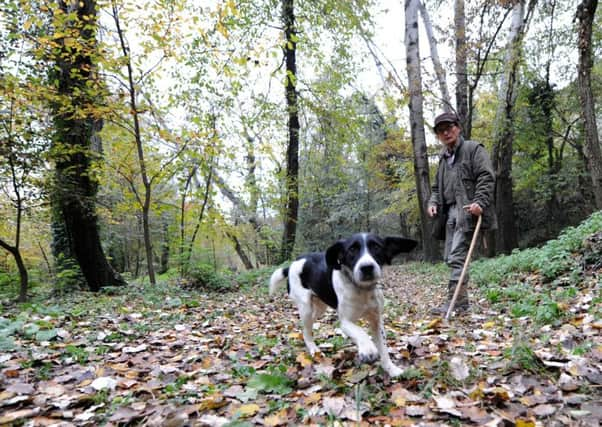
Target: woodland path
column 173, row 357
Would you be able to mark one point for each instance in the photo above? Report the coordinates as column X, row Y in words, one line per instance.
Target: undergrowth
column 550, row 261
column 539, row 282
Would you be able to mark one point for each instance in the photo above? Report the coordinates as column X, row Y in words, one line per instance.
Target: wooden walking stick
column 465, row 268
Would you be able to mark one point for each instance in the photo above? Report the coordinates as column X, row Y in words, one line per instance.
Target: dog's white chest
column 355, row 302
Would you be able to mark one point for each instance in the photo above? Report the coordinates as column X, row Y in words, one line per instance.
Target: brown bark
column 586, row 12
column 75, row 190
column 292, row 152
column 506, row 237
column 421, row 165
column 145, row 202
column 461, row 65
column 23, row 276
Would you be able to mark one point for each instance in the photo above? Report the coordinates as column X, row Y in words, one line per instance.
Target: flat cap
column 446, row 118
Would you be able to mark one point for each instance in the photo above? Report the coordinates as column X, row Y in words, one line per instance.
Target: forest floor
column 167, row 356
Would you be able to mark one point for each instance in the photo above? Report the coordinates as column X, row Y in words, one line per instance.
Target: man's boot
column 442, row 309
column 461, row 304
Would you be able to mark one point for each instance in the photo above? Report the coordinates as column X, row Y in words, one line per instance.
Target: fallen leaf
column 544, row 410
column 304, row 359
column 136, row 349
column 104, row 383
column 247, row 410
column 334, row 405
column 279, row 418
column 20, row 388
column 520, row 422
column 21, row 414
column 459, row 369
column 416, row 411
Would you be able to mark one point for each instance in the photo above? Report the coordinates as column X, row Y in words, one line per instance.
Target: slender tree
column 439, row 70
column 15, row 166
column 586, row 11
column 421, row 165
column 76, row 142
column 292, row 150
column 461, row 63
column 506, row 237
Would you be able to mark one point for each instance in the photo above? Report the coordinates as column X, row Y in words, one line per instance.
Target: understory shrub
column 551, row 260
column 206, row 277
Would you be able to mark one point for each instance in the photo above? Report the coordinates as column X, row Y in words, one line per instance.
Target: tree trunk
column 481, row 58
column 439, row 70
column 187, row 184
column 240, row 251
column 145, row 203
column 74, row 203
column 292, row 152
column 586, row 12
column 506, row 237
column 421, row 165
column 164, row 255
column 461, row 66
column 23, row 276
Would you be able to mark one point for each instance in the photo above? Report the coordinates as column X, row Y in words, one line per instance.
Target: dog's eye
column 353, row 250
column 375, row 248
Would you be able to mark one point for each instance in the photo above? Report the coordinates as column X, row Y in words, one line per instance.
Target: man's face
column 448, row 133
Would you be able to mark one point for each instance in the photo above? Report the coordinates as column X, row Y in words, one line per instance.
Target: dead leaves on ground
column 191, row 359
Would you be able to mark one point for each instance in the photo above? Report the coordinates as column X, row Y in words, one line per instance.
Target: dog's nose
column 367, row 271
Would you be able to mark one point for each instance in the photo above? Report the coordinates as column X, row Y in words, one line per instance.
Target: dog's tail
column 278, row 278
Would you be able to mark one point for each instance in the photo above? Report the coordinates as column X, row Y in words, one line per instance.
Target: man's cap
column 446, row 118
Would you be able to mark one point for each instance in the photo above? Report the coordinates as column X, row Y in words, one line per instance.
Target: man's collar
column 447, row 153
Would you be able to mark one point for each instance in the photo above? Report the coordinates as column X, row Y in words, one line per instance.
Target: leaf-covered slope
column 528, row 353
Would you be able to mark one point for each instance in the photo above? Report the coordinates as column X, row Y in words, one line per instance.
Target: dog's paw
column 313, row 350
column 368, row 355
column 393, row 371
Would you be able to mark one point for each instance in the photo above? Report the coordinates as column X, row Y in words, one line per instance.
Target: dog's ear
column 334, row 255
column 397, row 245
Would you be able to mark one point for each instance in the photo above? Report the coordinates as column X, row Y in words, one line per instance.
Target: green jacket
column 475, row 183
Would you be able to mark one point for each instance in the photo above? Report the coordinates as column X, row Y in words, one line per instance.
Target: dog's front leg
column 307, row 319
column 378, row 333
column 367, row 351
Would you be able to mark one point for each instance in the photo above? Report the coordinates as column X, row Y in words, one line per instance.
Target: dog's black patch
column 316, row 275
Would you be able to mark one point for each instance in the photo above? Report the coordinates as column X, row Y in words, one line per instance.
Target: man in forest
column 463, row 190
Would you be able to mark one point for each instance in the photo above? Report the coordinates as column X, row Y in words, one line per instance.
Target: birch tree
column 439, row 70
column 421, row 166
column 506, row 237
column 586, row 11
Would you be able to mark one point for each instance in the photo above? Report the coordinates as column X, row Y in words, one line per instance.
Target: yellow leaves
column 488, row 325
column 519, row 422
column 247, row 410
column 304, row 359
column 434, row 323
column 279, row 418
column 223, row 14
column 401, row 397
column 313, row 398
column 222, row 29
column 295, row 336
column 212, row 402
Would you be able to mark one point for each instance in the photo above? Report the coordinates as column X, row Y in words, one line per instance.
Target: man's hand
column 432, row 210
column 474, row 208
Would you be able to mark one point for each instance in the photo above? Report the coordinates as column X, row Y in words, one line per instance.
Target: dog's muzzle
column 366, row 276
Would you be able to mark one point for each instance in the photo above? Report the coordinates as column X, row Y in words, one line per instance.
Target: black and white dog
column 345, row 278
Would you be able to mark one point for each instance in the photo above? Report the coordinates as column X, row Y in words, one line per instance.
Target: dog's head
column 362, row 256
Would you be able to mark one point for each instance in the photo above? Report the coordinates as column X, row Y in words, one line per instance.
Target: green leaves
column 270, row 383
